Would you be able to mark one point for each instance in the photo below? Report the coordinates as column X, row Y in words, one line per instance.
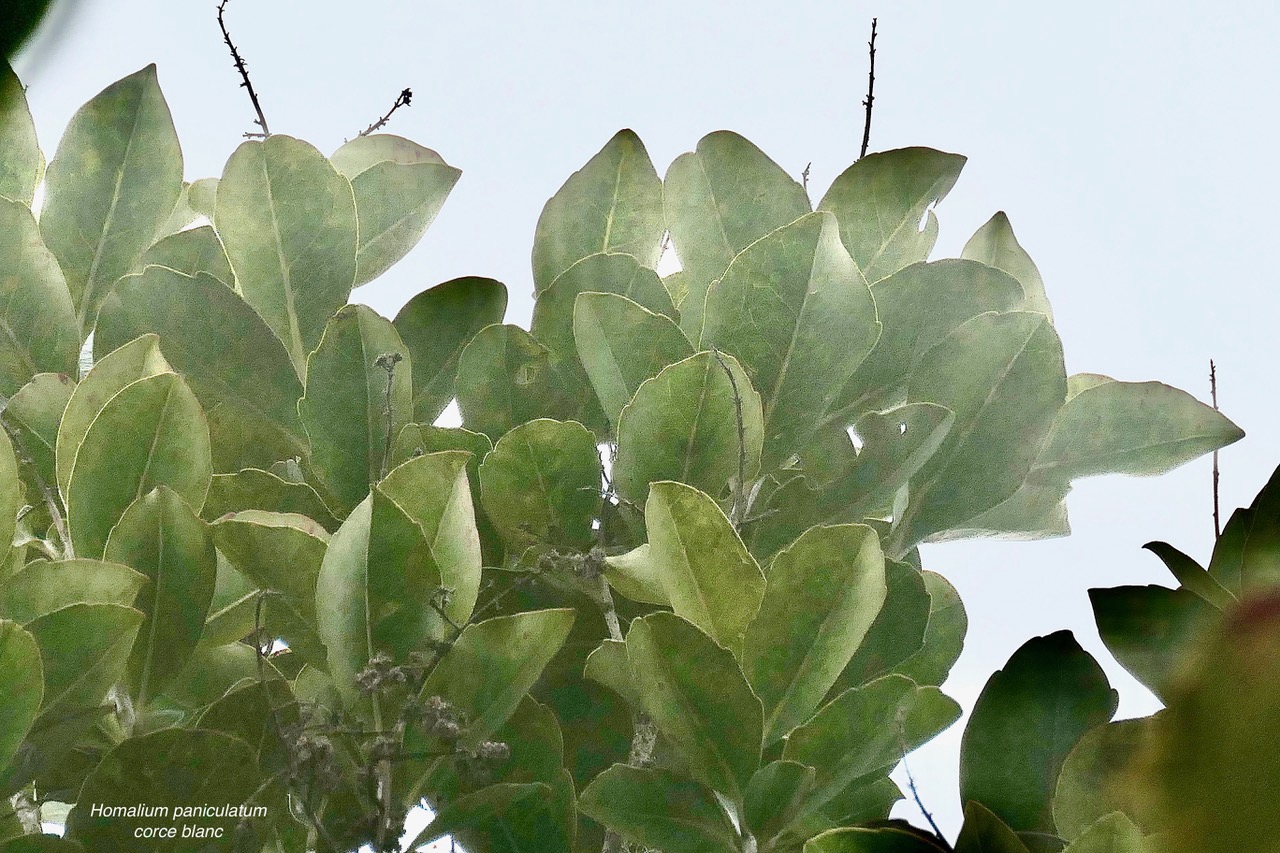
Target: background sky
column 1132, row 146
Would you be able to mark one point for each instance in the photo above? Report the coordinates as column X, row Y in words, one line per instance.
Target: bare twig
column 388, row 361
column 46, row 491
column 403, row 101
column 804, row 176
column 871, row 89
column 261, row 120
column 738, row 510
column 1213, row 392
column 915, row 795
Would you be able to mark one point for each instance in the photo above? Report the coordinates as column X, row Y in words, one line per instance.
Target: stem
column 46, row 491
column 403, row 101
column 247, row 84
column 388, row 361
column 871, row 88
column 1213, row 391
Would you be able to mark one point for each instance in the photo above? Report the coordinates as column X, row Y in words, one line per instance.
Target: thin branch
column 915, row 795
column 804, row 176
column 46, row 491
column 739, row 503
column 403, row 101
column 1213, row 391
column 871, row 89
column 388, row 361
column 261, row 120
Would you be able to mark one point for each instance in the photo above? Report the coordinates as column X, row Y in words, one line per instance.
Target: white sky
column 1130, row 144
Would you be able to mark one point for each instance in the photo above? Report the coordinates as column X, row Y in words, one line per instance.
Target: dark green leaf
column 898, row 632
column 23, row 677
column 505, row 818
column 1114, row 833
column 1150, row 629
column 983, row 832
column 1191, row 575
column 866, row 840
column 943, row 636
column 659, row 809
column 775, row 797
column 42, row 587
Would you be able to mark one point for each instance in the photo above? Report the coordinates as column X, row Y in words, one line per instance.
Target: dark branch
column 261, row 120
column 1213, row 391
column 915, row 794
column 403, row 101
column 804, row 176
column 871, row 90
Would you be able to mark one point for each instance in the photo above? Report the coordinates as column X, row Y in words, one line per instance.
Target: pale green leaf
column 867, row 840
column 110, row 187
column 42, row 587
column 85, row 650
column 506, row 378
column 660, row 809
column 11, row 497
column 34, row 413
column 1097, row 779
column 612, row 204
column 775, row 797
column 23, row 164
column 343, row 617
column 191, row 252
column 995, row 245
column 252, row 488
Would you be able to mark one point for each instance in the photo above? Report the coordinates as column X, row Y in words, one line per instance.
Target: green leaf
column 281, row 552
column 288, row 221
column 983, row 832
column 152, row 433
column 135, row 360
column 718, row 200
column 1028, row 717
column 1212, row 760
column 233, row 608
column 351, row 411
column 506, row 378
column 493, row 664
column 1037, row 510
column 899, row 630
column 881, row 202
column 40, row 844
column 895, row 445
column 823, row 594
column 85, row 650
column 612, row 204
column 237, row 368
column 23, row 165
column 175, row 768
column 620, row 344
column 191, row 252
column 1114, row 833
column 777, row 308
column 1140, row 428
column 38, row 330
column 683, row 425
column 1096, row 778
column 917, row 307
column 704, row 570
column 23, row 676
column 865, row 731
column 541, row 485
column 111, row 186
column 943, row 636
column 42, row 587
column 252, row 488
column 343, row 616
column 436, row 325
column 1003, row 377
column 1150, row 629
column 212, row 672
column 399, row 188
column 1193, row 577
column 505, row 818
column 656, row 808
column 11, row 497
column 1246, row 557
column 608, row 665
column 696, row 695
column 34, row 412
column 775, row 797
column 418, row 439
column 995, row 245
column 866, row 840
column 161, row 536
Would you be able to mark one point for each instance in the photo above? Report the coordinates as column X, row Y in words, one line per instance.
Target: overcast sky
column 1132, row 146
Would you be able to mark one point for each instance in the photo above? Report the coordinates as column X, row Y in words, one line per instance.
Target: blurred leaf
column 23, row 165
column 23, row 677
column 351, row 412
column 1003, row 377
column 1132, row 428
column 152, row 433
column 1114, row 833
column 191, row 252
column 161, row 536
column 917, row 307
column 135, row 360
column 608, row 665
column 505, row 818
column 252, row 488
column 777, row 308
column 701, row 565
column 112, row 184
column 237, row 368
column 1096, row 778
column 620, row 344
column 983, row 832
column 881, row 202
column 42, row 587
column 399, row 188
column 541, row 485
column 1150, row 629
column 288, row 221
column 493, row 664
column 436, row 325
column 1027, row 719
column 683, row 425
column 656, row 808
column 506, row 378
column 824, row 592
column 38, row 320
column 612, row 204
column 174, row 767
column 995, row 245
column 865, row 732
column 867, row 840
column 696, row 695
column 718, row 200
column 11, row 497
column 40, row 844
